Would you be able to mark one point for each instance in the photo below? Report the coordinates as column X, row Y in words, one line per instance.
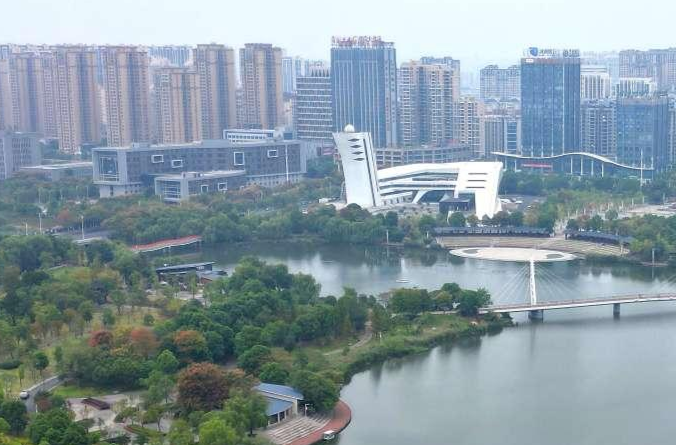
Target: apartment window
column 176, row 163
column 272, row 154
column 239, row 158
column 222, row 186
column 204, row 188
column 157, row 159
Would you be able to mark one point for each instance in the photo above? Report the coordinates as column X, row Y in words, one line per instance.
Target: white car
column 24, row 395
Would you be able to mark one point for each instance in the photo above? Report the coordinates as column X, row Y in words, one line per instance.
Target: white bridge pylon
column 531, row 284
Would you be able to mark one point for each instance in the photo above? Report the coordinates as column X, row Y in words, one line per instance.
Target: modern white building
column 369, row 187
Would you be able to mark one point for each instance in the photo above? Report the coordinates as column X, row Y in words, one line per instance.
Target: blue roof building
column 282, row 401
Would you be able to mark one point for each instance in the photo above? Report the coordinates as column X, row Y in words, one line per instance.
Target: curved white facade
column 369, row 187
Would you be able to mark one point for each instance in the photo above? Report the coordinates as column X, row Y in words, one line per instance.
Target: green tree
column 14, row 413
column 108, row 318
column 471, row 301
column 273, row 372
column 40, row 361
column 251, row 407
column 316, row 389
column 252, row 359
column 180, row 433
column 166, row 362
column 215, row 432
column 457, row 219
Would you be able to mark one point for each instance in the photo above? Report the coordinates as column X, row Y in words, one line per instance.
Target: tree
column 216, row 432
column 473, row 220
column 252, row 360
column 86, row 310
column 101, row 339
column 166, row 362
column 470, row 301
column 611, row 215
column 410, row 301
column 14, row 413
column 191, row 346
column 143, row 341
column 40, row 361
column 119, row 299
column 426, row 223
column 316, row 389
column 273, row 372
column 202, row 387
column 108, row 318
column 457, row 219
column 180, row 433
column 159, row 387
column 250, row 408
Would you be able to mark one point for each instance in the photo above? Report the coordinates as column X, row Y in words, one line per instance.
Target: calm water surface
column 581, row 377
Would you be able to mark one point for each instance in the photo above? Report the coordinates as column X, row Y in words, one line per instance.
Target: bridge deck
column 547, row 305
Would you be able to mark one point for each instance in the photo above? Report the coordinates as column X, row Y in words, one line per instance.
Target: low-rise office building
column 18, row 150
column 120, row 171
column 58, row 172
column 176, row 188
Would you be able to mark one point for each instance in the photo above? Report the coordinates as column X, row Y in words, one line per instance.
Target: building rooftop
column 65, row 165
column 276, row 406
column 203, row 175
column 184, row 266
column 207, row 143
column 280, row 390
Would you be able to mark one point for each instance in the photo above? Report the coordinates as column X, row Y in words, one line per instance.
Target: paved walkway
column 308, row 430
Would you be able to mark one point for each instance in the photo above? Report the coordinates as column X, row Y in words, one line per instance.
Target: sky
column 477, row 32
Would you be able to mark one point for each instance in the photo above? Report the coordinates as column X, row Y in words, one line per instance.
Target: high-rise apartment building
column 550, row 102
column 172, row 55
column 364, row 86
column 76, row 97
column 598, row 128
column 500, row 83
column 501, row 133
column 656, row 64
column 635, row 87
column 292, row 69
column 313, row 110
column 643, row 132
column 215, row 66
column 672, row 133
column 467, row 128
column 177, row 105
column 595, row 83
column 27, row 92
column 126, row 81
column 260, row 67
column 426, row 97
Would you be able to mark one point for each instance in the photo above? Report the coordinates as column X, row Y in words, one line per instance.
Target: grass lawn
column 74, row 391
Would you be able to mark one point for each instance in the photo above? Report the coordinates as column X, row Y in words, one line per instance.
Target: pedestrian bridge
column 615, row 301
column 523, row 284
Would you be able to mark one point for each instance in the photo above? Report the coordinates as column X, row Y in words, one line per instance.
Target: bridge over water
column 530, row 279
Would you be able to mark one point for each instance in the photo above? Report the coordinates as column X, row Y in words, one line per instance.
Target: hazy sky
column 475, row 31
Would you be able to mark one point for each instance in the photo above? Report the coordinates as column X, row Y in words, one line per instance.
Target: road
column 46, row 385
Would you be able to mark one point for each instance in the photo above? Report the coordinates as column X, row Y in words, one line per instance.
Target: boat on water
column 403, row 280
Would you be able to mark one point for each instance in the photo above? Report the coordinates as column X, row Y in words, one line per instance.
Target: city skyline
column 518, row 24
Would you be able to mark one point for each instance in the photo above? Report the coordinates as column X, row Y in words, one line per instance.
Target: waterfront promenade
column 304, row 430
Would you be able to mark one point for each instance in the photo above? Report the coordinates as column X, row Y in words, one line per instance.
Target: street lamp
column 82, row 220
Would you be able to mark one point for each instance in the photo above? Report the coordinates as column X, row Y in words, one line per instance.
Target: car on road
column 24, row 395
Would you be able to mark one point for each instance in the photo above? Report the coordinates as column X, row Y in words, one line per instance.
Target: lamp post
column 82, row 225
